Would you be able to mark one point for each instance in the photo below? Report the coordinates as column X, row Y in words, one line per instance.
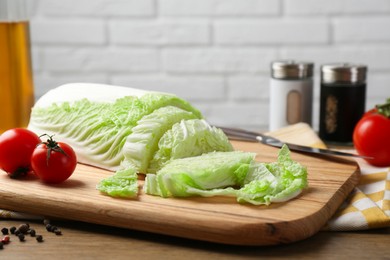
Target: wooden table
column 88, row 241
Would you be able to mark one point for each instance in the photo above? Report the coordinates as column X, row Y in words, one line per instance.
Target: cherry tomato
column 371, row 137
column 16, row 148
column 53, row 162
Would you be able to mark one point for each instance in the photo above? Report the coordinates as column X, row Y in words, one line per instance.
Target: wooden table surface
column 88, row 241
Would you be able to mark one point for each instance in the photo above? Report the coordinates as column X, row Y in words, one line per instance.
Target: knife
column 245, row 135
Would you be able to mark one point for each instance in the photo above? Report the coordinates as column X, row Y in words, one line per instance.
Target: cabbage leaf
column 142, row 143
column 230, row 174
column 274, row 182
column 187, row 139
column 200, row 175
column 123, row 184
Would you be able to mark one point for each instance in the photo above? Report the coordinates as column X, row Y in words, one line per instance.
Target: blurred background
column 214, row 53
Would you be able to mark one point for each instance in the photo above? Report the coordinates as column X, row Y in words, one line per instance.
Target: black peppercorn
column 32, row 232
column 48, row 227
column 4, row 231
column 39, row 238
column 23, row 228
column 21, row 237
column 53, row 228
column 12, row 230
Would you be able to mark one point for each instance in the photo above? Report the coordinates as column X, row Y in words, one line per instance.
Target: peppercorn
column 12, row 230
column 17, row 232
column 21, row 237
column 1, row 245
column 39, row 238
column 53, row 229
column 4, row 231
column 48, row 227
column 23, row 228
column 32, row 232
column 58, row 232
column 46, row 221
column 5, row 239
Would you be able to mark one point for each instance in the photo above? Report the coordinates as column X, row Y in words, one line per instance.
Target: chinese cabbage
column 141, row 144
column 123, row 184
column 98, row 130
column 230, row 174
column 187, row 139
column 200, row 175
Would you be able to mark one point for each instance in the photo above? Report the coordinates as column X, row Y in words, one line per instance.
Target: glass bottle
column 291, row 93
column 342, row 101
column 16, row 82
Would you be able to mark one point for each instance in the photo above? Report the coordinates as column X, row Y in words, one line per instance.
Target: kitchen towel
column 368, row 205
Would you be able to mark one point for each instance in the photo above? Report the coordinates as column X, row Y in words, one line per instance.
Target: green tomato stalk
column 51, row 145
column 384, row 109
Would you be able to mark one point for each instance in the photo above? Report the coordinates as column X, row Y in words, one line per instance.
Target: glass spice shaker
column 342, row 101
column 291, row 93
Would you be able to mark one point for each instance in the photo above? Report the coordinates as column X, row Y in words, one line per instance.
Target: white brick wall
column 215, row 53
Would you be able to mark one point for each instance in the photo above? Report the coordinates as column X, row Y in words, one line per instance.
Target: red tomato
column 371, row 138
column 16, row 148
column 53, row 162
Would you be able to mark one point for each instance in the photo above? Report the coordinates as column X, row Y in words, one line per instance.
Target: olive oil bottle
column 16, row 80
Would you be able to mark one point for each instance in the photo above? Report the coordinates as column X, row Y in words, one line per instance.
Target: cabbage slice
column 230, row 174
column 274, row 182
column 123, row 184
column 200, row 175
column 187, row 139
column 142, row 143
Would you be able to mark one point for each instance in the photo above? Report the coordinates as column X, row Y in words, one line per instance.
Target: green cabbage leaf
column 230, row 174
column 205, row 175
column 124, row 183
column 274, row 182
column 142, row 143
column 187, row 139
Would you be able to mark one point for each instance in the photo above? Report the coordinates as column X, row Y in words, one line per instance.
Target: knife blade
column 245, row 135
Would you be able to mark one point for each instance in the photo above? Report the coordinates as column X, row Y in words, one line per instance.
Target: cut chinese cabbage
column 97, row 130
column 200, row 175
column 123, row 184
column 274, row 182
column 230, row 174
column 141, row 144
column 187, row 139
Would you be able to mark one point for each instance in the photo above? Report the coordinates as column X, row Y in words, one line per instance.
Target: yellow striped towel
column 368, row 206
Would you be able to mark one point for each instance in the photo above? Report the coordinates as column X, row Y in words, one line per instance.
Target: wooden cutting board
column 217, row 219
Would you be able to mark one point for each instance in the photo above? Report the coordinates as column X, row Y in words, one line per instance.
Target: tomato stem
column 384, row 109
column 51, row 145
